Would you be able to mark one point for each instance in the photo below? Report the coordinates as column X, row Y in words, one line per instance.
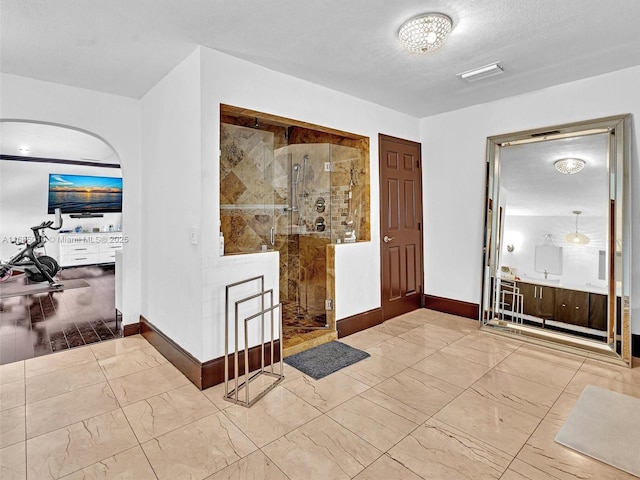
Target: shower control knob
column 387, row 239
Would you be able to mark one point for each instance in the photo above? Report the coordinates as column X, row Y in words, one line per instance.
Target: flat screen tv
column 84, row 194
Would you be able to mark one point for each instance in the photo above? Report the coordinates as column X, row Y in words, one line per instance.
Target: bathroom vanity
column 584, row 306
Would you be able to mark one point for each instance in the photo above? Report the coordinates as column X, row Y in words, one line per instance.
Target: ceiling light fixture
column 569, row 166
column 576, row 237
column 482, row 72
column 425, row 32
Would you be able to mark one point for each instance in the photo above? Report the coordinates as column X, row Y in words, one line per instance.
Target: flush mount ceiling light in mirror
column 576, row 237
column 425, row 32
column 569, row 166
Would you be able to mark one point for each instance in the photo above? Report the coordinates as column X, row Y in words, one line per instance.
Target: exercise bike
column 37, row 268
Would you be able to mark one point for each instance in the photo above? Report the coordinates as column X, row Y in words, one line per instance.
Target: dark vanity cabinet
column 598, row 311
column 537, row 300
column 572, row 306
column 529, row 301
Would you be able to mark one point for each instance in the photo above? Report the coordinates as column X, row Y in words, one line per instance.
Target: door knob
column 387, row 239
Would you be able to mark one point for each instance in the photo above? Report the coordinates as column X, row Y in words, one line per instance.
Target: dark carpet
column 320, row 361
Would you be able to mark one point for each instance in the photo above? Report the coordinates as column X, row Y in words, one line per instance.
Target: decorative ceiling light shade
column 425, row 32
column 577, row 238
column 569, row 166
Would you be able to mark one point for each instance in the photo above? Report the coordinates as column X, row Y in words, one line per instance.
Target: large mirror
column 556, row 263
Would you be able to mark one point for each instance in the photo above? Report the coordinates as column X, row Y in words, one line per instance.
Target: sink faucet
column 545, row 274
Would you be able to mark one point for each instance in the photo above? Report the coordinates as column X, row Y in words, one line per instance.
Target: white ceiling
column 534, row 187
column 126, row 46
column 52, row 141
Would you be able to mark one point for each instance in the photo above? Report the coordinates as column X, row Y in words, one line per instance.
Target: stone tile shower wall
column 349, row 172
column 247, row 194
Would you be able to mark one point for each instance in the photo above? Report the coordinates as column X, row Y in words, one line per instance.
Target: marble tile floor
column 437, row 399
column 39, row 324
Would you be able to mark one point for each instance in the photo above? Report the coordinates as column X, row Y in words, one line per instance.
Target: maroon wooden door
column 400, row 226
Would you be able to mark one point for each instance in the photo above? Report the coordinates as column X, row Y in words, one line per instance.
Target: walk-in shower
column 304, row 269
column 295, row 191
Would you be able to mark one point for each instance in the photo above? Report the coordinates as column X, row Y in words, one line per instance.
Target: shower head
column 296, row 173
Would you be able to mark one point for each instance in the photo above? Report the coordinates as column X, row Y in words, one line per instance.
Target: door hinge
column 328, row 304
column 419, row 225
column 418, row 164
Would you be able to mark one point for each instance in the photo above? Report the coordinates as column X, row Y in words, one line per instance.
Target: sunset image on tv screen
column 84, row 194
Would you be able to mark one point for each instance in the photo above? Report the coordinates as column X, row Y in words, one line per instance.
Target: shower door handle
column 387, row 239
column 272, row 236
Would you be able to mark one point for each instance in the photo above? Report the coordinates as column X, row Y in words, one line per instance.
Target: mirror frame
column 618, row 345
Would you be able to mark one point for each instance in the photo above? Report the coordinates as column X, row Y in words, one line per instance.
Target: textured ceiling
column 126, row 46
column 532, row 185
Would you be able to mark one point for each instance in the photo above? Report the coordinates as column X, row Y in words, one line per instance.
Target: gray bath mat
column 606, row 426
column 320, row 361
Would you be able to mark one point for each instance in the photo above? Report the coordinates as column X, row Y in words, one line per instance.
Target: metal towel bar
column 233, row 395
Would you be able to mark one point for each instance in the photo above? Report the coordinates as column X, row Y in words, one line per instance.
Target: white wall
column 172, row 202
column 229, row 80
column 454, row 155
column 24, row 190
column 580, row 262
column 113, row 118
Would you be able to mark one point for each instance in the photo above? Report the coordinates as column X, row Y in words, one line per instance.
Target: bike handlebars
column 43, row 225
column 47, row 224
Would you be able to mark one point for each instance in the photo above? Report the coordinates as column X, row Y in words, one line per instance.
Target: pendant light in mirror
column 577, row 238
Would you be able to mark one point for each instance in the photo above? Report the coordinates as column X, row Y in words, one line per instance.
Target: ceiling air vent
column 545, row 134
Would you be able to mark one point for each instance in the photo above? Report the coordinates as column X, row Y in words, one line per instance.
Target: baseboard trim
column 131, row 329
column 179, row 357
column 213, row 370
column 209, row 373
column 454, row 307
column 361, row 321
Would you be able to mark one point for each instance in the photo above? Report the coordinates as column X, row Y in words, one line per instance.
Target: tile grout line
column 540, row 422
column 470, row 435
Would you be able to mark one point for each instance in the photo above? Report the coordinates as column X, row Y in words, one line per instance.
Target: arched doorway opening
column 42, row 166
